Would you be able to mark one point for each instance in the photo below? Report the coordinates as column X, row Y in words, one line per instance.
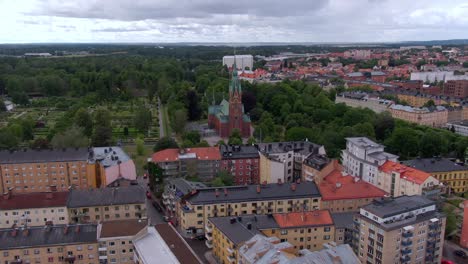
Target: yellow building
column 241, row 200
column 420, row 116
column 50, row 244
column 419, row 100
column 450, row 173
column 303, row 230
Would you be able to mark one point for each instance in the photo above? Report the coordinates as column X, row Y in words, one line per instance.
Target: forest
column 91, row 92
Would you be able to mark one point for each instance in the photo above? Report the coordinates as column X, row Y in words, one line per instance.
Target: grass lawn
column 140, row 161
column 166, row 126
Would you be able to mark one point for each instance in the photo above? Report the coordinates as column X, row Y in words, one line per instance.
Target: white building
column 362, row 158
column 9, row 105
column 460, row 127
column 437, row 76
column 243, row 62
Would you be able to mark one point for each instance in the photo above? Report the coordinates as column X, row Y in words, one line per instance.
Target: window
column 327, row 229
column 284, row 232
column 326, row 237
column 5, row 254
column 51, row 259
column 37, row 251
column 112, row 252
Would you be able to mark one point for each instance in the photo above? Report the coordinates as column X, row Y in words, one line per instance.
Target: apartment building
column 397, row 179
column 303, row 230
column 363, row 100
column 31, row 170
column 242, row 62
column 242, row 162
column 460, row 127
column 406, row 229
column 415, row 99
column 174, row 191
column 201, row 162
column 283, row 160
column 362, row 158
column 316, row 167
column 106, row 204
column 344, row 193
column 115, row 240
column 344, row 227
column 433, row 117
column 452, row 174
column 266, row 250
column 36, row 170
column 242, row 200
column 49, row 244
column 33, row 209
column 456, row 88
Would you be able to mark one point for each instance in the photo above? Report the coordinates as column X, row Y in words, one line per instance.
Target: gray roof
column 238, row 232
column 341, row 254
column 388, row 207
column 317, row 162
column 45, row 236
column 238, row 152
column 343, row 220
column 106, row 196
column 355, row 74
column 49, row 155
column 382, row 155
column 185, row 186
column 303, row 147
column 363, row 142
column 247, row 193
column 109, row 156
column 435, row 165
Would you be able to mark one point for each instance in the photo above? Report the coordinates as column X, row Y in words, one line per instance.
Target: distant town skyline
column 134, row 21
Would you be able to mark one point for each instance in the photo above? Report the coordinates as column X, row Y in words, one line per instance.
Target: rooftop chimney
column 6, row 195
column 65, row 230
column 280, row 182
column 258, row 188
column 77, row 229
column 298, row 181
column 14, row 232
column 53, row 188
column 49, row 195
column 225, row 192
column 216, row 192
column 26, row 231
column 293, row 187
column 264, row 183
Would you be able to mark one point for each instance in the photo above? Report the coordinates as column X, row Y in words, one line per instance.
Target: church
column 227, row 116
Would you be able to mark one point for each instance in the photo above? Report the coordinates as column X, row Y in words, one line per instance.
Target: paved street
column 447, row 254
column 199, row 248
column 154, row 216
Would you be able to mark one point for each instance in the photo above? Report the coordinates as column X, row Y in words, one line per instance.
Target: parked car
column 148, row 195
column 166, row 218
column 145, row 176
column 460, row 253
column 157, row 206
column 444, row 261
column 199, row 237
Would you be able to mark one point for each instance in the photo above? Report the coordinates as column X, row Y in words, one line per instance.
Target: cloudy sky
column 24, row 21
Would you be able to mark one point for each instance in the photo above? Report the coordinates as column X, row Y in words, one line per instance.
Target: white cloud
column 231, row 21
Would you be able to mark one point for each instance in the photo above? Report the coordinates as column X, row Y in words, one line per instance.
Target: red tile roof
column 337, row 186
column 34, row 200
column 170, row 155
column 310, row 218
column 407, row 173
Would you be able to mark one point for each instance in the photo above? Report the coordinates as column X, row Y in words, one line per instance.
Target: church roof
column 235, row 85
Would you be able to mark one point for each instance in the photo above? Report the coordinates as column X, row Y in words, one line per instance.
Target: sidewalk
column 210, row 258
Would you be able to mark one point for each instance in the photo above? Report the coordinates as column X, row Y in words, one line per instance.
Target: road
column 161, row 123
column 154, row 216
column 447, row 254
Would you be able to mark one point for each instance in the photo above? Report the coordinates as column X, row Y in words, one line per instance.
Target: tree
column 223, row 178
column 102, row 117
column 40, row 143
column 102, row 136
column 83, row 119
column 71, row 138
column 156, row 175
column 403, row 142
column 235, row 138
column 192, row 136
column 429, row 103
column 125, row 131
column 384, row 125
column 165, row 143
column 7, row 139
column 2, row 106
column 192, row 103
column 179, row 120
column 249, row 100
column 140, row 146
column 432, row 144
column 142, row 119
column 251, row 141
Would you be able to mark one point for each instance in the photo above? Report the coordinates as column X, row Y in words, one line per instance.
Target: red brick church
column 227, row 116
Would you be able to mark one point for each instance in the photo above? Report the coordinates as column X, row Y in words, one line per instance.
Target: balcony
column 405, row 259
column 230, row 250
column 209, row 236
column 231, row 259
column 406, row 251
column 431, row 243
column 407, row 243
column 208, row 244
column 209, row 228
column 102, row 249
column 407, row 234
column 429, row 258
column 165, row 196
column 433, row 235
column 102, row 257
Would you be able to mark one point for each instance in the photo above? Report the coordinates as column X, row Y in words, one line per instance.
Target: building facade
column 174, row 191
column 460, row 127
column 227, row 116
column 456, row 88
column 436, row 117
column 106, row 204
column 446, row 171
column 33, row 209
column 407, row 229
column 241, row 62
column 364, row 101
column 362, row 158
column 50, row 244
column 201, row 162
column 242, row 162
column 242, row 200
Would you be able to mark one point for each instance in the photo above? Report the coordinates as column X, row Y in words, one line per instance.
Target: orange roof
column 336, row 186
column 407, row 173
column 170, row 155
column 310, row 218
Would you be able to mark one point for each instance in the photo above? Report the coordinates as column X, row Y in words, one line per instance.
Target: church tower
column 235, row 102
